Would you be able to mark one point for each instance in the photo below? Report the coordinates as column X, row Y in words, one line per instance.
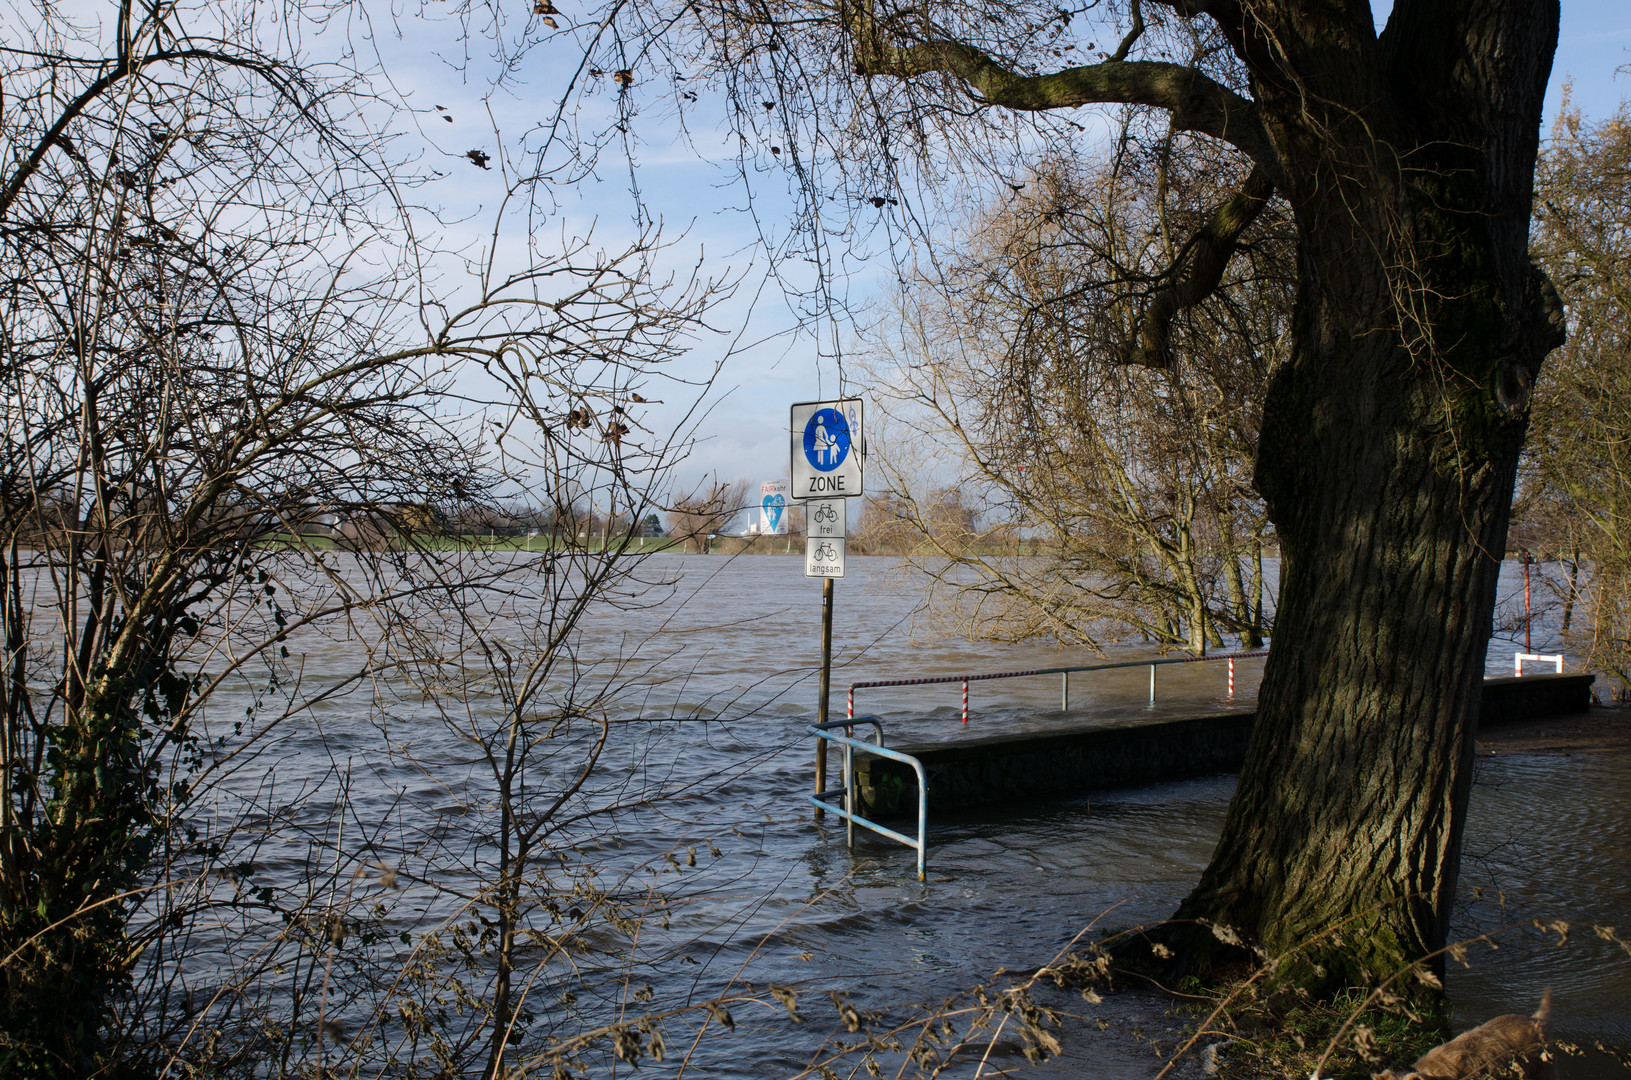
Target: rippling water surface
column 726, row 685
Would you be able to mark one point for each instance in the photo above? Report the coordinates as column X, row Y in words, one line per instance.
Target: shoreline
column 1599, row 730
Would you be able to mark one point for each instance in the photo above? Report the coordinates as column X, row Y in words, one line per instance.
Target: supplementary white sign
column 773, row 507
column 823, row 556
column 825, row 518
column 827, row 446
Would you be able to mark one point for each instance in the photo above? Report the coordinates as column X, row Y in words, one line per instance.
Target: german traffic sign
column 827, row 446
column 824, row 556
column 825, row 518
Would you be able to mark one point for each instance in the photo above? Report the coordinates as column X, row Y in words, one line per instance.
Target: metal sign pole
column 825, row 458
column 826, row 681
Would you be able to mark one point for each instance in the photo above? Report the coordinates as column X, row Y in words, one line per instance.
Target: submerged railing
column 1064, row 673
column 851, row 746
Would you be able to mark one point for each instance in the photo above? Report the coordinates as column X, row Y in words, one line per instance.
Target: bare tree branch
column 1199, row 268
column 1195, row 102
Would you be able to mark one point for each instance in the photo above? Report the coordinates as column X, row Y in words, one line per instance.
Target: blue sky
column 1595, row 39
column 769, row 365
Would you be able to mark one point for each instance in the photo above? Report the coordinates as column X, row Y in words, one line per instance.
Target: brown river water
column 715, row 721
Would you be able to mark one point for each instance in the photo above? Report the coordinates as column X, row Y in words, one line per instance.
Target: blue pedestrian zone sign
column 826, row 439
column 827, row 449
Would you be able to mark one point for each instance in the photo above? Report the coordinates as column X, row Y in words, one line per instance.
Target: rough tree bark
column 1387, row 456
column 1390, row 439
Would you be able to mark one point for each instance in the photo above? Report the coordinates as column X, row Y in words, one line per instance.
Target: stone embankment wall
column 1082, row 757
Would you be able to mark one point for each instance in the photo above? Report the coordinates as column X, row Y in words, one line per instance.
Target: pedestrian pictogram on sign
column 827, row 448
column 826, row 439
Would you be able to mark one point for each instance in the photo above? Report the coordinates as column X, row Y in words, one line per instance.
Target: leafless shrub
column 698, row 515
column 224, row 351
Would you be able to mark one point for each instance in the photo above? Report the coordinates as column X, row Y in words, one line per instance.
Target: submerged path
column 1076, row 757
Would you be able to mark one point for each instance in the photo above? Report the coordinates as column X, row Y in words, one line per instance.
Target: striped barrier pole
column 1231, row 676
column 965, row 701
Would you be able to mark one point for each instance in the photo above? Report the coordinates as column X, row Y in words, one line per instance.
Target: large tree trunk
column 1390, row 438
column 1387, row 455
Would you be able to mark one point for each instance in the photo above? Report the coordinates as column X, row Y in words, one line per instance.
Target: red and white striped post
column 965, row 701
column 1231, row 676
column 849, row 708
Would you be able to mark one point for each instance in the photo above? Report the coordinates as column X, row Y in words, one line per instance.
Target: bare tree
column 1389, row 438
column 698, row 515
column 885, row 525
column 1135, row 482
column 1576, row 491
column 219, row 333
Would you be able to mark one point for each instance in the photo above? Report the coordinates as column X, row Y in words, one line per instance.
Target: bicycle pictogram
column 826, row 514
column 826, row 552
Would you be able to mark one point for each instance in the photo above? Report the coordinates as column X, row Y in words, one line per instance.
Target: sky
column 1594, row 41
column 768, row 363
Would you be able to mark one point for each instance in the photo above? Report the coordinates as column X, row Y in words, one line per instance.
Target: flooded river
column 712, row 767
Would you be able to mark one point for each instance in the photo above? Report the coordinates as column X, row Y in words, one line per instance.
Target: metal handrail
column 1065, row 672
column 1519, row 658
column 850, row 745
